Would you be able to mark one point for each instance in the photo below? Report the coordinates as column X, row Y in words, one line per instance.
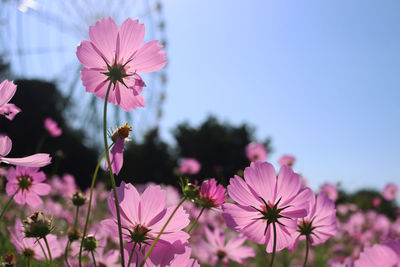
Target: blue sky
column 321, row 78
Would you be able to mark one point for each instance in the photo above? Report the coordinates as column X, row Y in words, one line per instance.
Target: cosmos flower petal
column 152, row 202
column 88, row 56
column 5, row 145
column 116, row 156
column 10, row 111
column 7, row 91
column 104, row 35
column 131, row 35
column 36, row 160
column 149, row 58
column 261, row 178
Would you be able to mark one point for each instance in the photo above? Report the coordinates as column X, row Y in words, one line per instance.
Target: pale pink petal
column 238, row 217
column 240, row 192
column 41, row 189
column 255, row 231
column 36, row 160
column 94, row 82
column 9, row 110
column 152, row 202
column 7, row 91
column 131, row 35
column 261, row 177
column 89, row 57
column 104, row 35
column 116, row 156
column 148, row 58
column 175, row 225
column 5, row 145
column 288, row 185
column 32, row 199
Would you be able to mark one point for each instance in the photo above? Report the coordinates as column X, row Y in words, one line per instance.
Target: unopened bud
column 74, row 233
column 90, row 243
column 78, row 198
column 9, row 260
column 37, row 225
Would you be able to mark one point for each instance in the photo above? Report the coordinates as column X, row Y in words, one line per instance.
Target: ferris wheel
column 38, row 38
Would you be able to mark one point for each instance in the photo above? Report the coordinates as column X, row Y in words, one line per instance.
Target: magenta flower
column 287, row 160
column 376, row 202
column 29, row 246
column 36, row 160
column 64, row 187
column 264, row 199
column 390, row 192
column 117, row 151
column 256, row 152
column 29, row 183
column 189, row 166
column 143, row 216
column 118, row 56
column 212, row 195
column 52, row 127
column 330, row 190
column 7, row 91
column 217, row 249
column 320, row 224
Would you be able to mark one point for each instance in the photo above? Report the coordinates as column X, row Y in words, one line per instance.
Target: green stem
column 94, row 260
column 8, row 203
column 195, row 221
column 44, row 252
column 41, row 142
column 66, row 255
column 274, row 247
column 90, row 204
column 307, row 249
column 48, row 250
column 114, row 187
column 28, row 261
column 160, row 233
column 76, row 217
column 131, row 255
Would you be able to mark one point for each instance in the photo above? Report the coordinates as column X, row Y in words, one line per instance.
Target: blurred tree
column 39, row 100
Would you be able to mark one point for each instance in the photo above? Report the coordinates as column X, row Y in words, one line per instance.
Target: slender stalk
column 307, row 249
column 90, row 204
column 8, row 203
column 114, row 187
column 160, row 233
column 274, row 248
column 94, row 259
column 195, row 221
column 131, row 255
column 76, row 217
column 41, row 142
column 48, row 250
column 44, row 252
column 28, row 261
column 66, row 255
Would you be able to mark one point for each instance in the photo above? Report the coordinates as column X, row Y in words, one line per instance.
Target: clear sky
column 321, row 78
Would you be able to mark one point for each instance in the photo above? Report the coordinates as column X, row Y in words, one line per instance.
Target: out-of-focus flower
column 320, row 224
column 118, row 56
column 189, row 166
column 29, row 183
column 211, row 195
column 264, row 199
column 52, row 127
column 7, row 91
column 65, row 186
column 143, row 216
column 36, row 160
column 330, row 190
column 256, row 152
column 287, row 160
column 376, row 202
column 380, row 255
column 117, row 151
column 216, row 248
column 390, row 192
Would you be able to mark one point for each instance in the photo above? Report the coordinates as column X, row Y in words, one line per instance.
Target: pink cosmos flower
column 30, row 245
column 287, row 160
column 256, row 152
column 36, row 160
column 52, row 127
column 330, row 190
column 320, row 224
column 212, row 195
column 117, row 151
column 380, row 255
column 64, row 186
column 7, row 91
column 29, row 183
column 217, row 249
column 118, row 56
column 390, row 192
column 143, row 216
column 189, row 166
column 376, row 202
column 260, row 195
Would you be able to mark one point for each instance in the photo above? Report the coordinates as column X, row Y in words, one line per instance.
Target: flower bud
column 74, row 233
column 90, row 243
column 189, row 190
column 211, row 195
column 37, row 225
column 9, row 260
column 78, row 198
